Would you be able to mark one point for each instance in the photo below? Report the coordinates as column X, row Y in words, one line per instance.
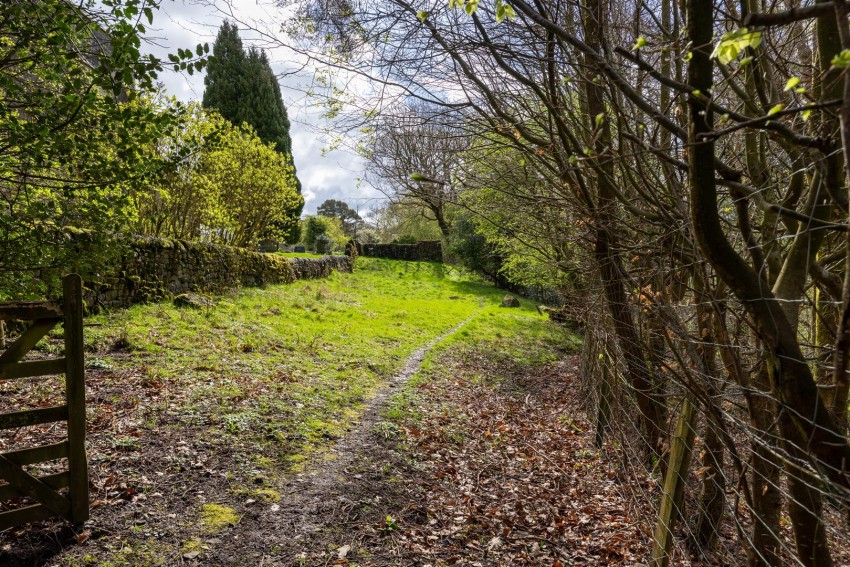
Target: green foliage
column 315, row 226
column 242, row 87
column 523, row 244
column 227, row 186
column 842, row 60
column 406, row 221
column 405, row 239
column 340, row 210
column 470, row 248
column 73, row 134
column 734, row 42
column 224, row 82
column 351, row 252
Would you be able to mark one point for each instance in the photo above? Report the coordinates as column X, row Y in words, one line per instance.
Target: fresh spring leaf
column 792, row 82
column 806, row 115
column 733, row 43
column 600, row 119
column 775, row 109
column 842, row 60
column 422, row 15
column 641, row 42
column 503, row 11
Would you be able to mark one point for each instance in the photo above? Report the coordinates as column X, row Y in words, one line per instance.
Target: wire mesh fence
column 730, row 485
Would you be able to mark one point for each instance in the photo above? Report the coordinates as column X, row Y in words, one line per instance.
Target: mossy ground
column 190, row 408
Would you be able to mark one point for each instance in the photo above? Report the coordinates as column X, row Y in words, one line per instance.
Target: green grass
column 286, row 368
column 265, row 378
column 507, row 338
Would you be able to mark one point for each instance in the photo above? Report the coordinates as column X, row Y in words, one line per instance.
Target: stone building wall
column 427, row 250
column 156, row 268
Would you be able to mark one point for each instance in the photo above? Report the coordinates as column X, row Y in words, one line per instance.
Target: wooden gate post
column 18, row 481
column 75, row 391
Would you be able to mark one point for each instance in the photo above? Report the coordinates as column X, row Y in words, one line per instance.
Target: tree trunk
column 712, row 496
column 767, row 498
column 638, row 374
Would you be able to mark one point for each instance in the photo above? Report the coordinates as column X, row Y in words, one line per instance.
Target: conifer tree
column 226, row 79
column 264, row 108
column 242, row 87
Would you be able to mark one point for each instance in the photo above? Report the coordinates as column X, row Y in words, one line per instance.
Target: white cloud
column 184, row 24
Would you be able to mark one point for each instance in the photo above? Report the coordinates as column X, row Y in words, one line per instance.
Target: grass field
column 199, row 410
column 300, row 255
column 286, row 367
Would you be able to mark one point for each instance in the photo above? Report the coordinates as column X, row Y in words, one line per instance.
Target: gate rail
column 74, row 506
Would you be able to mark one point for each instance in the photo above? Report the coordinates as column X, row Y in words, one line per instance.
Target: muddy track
column 337, row 488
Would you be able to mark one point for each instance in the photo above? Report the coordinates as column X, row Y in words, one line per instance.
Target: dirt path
column 490, row 462
column 338, row 488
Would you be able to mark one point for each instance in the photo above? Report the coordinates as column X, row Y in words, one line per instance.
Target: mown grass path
column 198, row 419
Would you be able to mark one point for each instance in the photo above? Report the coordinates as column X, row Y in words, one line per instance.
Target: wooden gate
column 45, row 490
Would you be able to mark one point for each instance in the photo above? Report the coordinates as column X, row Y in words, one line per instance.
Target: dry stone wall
column 156, row 268
column 426, row 250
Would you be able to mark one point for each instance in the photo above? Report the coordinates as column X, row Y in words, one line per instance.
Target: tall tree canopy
column 340, row 210
column 225, row 82
column 242, row 87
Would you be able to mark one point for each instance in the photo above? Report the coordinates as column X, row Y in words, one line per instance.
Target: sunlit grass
column 287, row 367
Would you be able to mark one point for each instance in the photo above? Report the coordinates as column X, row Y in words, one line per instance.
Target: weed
column 387, row 429
column 390, row 525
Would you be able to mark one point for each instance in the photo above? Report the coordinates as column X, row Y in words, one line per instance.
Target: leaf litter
column 493, row 465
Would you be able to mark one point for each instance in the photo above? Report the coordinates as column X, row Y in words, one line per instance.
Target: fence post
column 75, row 391
column 603, row 408
column 674, row 486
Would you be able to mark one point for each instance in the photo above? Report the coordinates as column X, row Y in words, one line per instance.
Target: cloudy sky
column 323, row 175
